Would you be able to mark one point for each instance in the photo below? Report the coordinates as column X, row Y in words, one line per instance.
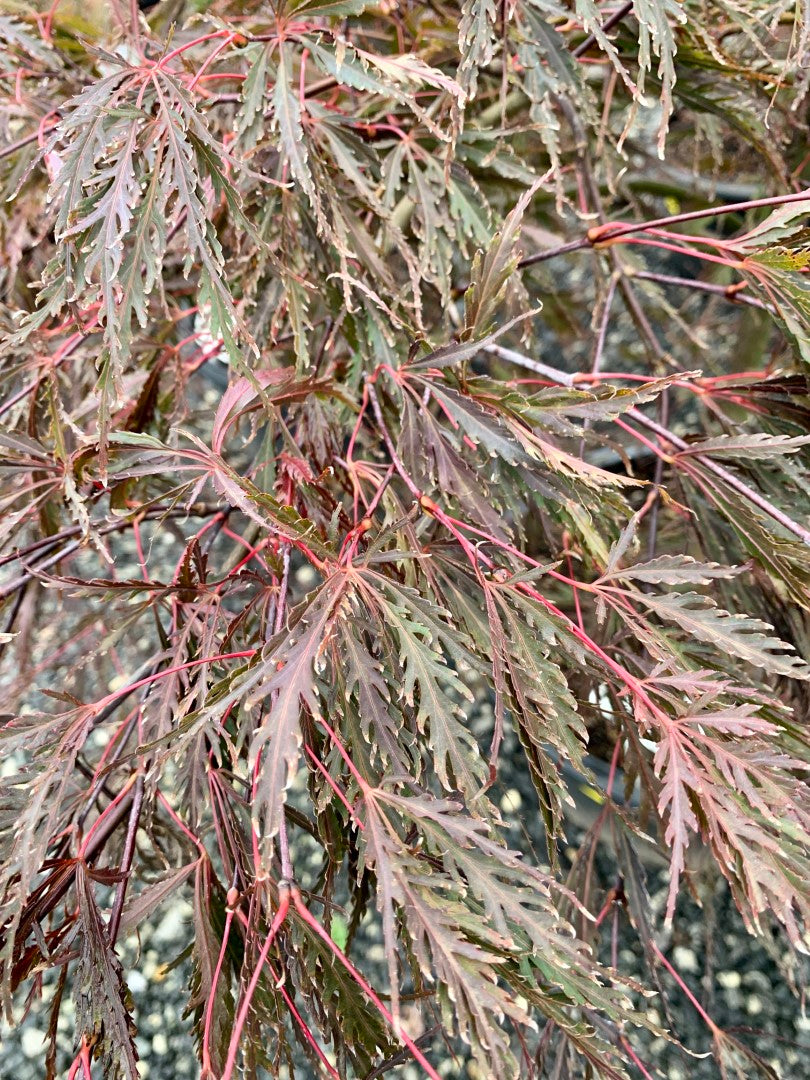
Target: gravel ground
column 748, row 996
column 738, row 979
column 731, row 973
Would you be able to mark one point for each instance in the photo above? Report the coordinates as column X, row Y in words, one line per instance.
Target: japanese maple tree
column 398, row 400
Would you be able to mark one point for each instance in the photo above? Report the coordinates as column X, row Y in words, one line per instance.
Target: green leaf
column 476, row 40
column 328, row 8
column 250, row 119
column 492, row 271
column 287, row 113
column 103, row 1002
column 754, row 446
column 742, row 636
column 431, row 685
column 458, row 352
column 289, row 673
column 673, row 570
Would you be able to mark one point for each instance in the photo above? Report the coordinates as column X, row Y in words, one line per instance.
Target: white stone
column 684, row 959
column 160, row 1044
column 33, row 1042
column 136, row 982
column 729, row 980
column 512, row 800
column 170, row 928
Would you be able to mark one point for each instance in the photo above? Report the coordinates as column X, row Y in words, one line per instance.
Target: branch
column 116, row 526
column 610, row 231
column 26, row 140
column 732, row 293
column 613, row 231
column 562, row 378
column 727, row 477
column 608, row 24
column 126, row 860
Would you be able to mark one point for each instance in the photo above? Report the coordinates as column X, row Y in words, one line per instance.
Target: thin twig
column 402, row 1056
column 283, row 840
column 610, row 231
column 531, row 365
column 126, row 860
column 608, row 24
column 31, row 572
column 135, row 19
column 658, row 475
column 26, row 140
column 603, row 325
column 389, row 442
column 165, row 512
column 10, row 402
column 241, row 1016
column 731, row 293
column 552, row 253
column 99, row 783
column 727, row 477
column 22, row 580
column 613, row 232
column 562, row 378
column 600, row 345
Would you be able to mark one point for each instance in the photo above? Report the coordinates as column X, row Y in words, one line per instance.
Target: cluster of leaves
column 278, row 649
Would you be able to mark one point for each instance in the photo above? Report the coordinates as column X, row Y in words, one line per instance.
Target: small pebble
column 729, row 980
column 160, row 1044
column 136, row 981
column 512, row 800
column 33, row 1042
column 684, row 959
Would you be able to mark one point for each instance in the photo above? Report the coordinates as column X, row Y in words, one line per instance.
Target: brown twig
column 389, row 442
column 47, row 542
column 562, row 378
column 614, row 231
column 26, row 140
column 126, row 860
column 727, row 477
column 608, row 24
column 732, row 294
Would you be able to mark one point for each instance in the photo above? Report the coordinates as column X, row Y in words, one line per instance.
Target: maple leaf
column 286, row 674
column 428, row 682
column 103, row 1003
column 476, row 39
column 722, row 775
column 740, row 635
column 269, row 352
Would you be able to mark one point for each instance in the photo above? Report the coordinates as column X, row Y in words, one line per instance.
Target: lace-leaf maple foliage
column 399, row 402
